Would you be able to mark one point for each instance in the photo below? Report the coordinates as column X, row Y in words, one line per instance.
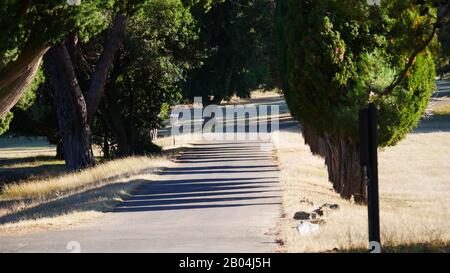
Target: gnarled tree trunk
column 75, row 111
column 342, row 160
column 16, row 76
column 70, row 108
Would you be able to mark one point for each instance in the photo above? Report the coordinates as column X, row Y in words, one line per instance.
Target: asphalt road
column 443, row 88
column 218, row 197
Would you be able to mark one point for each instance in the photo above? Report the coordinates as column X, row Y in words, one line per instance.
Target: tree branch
column 112, row 45
column 16, row 75
column 13, row 70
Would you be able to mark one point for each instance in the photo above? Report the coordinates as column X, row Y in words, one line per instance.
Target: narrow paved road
column 218, row 197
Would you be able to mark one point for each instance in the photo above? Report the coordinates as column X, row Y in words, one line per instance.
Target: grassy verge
column 72, row 182
column 70, row 197
column 414, row 198
column 443, row 109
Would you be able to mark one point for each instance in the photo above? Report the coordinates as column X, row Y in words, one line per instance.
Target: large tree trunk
column 342, row 160
column 16, row 76
column 71, row 109
column 75, row 113
column 112, row 45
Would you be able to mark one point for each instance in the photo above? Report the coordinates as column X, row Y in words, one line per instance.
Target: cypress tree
column 336, row 56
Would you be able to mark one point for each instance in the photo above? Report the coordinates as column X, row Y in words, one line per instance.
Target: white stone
column 307, row 228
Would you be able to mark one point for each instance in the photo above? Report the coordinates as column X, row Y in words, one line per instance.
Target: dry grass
column 30, row 162
column 43, row 200
column 24, row 168
column 414, row 197
column 64, row 184
column 442, row 109
column 18, row 152
column 32, row 204
column 254, row 96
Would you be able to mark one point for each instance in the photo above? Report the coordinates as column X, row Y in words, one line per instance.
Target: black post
column 364, row 138
column 368, row 150
column 372, row 189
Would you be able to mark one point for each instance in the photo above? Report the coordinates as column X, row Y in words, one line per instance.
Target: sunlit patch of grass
column 30, row 162
column 434, row 246
column 63, row 221
column 24, row 143
column 37, row 204
column 414, row 197
column 36, row 192
column 442, row 110
column 63, row 184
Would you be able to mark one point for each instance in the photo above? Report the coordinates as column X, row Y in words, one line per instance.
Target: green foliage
column 4, row 122
column 45, row 22
column 37, row 119
column 27, row 100
column 401, row 112
column 236, row 38
column 205, row 5
column 145, row 80
column 158, row 51
column 336, row 56
column 164, row 114
column 26, row 24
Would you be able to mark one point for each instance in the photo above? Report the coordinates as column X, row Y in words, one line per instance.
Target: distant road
column 443, row 88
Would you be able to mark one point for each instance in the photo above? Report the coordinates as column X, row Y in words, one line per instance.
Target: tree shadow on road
column 173, row 190
column 221, row 170
column 156, row 196
column 202, row 193
column 434, row 123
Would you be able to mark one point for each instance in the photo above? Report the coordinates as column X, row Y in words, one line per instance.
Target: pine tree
column 336, row 56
